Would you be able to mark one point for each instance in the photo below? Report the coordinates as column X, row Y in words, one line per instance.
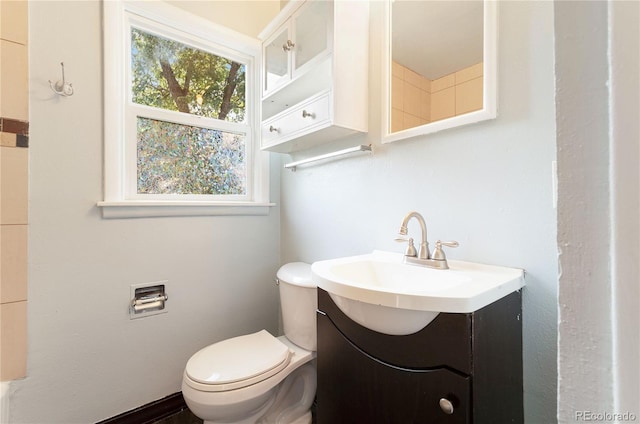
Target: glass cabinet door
column 276, row 60
column 310, row 32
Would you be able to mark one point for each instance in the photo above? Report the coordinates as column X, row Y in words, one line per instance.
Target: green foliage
column 173, row 76
column 181, row 159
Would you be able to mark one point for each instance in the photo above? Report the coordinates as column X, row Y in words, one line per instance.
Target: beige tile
column 397, row 93
column 425, row 84
column 13, row 340
column 425, row 105
column 469, row 96
column 14, row 81
column 411, row 95
column 13, row 263
column 14, row 21
column 7, row 139
column 469, row 73
column 14, row 185
column 411, row 121
column 443, row 104
column 443, row 83
column 396, row 120
column 397, row 70
column 413, row 78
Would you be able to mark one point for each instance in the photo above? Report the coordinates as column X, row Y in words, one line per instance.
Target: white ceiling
column 437, row 37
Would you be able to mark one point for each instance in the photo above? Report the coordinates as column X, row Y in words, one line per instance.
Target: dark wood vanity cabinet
column 472, row 361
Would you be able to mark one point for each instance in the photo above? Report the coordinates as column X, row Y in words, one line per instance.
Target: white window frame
column 120, row 113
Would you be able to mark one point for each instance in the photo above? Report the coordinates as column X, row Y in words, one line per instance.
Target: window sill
column 158, row 208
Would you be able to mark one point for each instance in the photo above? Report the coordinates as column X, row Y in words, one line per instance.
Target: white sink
column 382, row 293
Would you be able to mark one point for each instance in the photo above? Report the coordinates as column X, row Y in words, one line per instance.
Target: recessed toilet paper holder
column 148, row 299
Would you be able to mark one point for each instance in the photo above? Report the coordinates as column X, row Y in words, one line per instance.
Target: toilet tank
column 298, row 302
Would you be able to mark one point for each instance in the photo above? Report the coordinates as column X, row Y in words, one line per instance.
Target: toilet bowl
column 259, row 378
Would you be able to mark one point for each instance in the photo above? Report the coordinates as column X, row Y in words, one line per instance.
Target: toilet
column 259, row 378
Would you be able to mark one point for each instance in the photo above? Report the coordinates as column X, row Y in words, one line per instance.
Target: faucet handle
column 438, row 253
column 411, row 249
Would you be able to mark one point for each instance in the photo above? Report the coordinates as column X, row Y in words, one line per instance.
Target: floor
column 183, row 417
column 186, row 417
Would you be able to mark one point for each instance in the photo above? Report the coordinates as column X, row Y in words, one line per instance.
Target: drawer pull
column 306, row 114
column 273, row 129
column 446, row 406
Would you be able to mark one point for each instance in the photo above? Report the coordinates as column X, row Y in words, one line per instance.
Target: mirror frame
column 490, row 78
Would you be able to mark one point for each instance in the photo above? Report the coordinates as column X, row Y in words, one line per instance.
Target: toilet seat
column 238, row 362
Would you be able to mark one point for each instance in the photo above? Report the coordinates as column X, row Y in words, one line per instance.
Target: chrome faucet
column 423, row 253
column 422, row 257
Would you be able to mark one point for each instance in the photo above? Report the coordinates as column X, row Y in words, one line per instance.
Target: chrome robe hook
column 61, row 87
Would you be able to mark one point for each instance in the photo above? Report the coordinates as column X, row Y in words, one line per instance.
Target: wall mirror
column 439, row 65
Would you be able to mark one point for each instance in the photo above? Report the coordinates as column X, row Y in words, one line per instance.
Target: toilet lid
column 237, row 362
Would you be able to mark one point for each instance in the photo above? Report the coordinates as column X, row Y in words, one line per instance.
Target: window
column 180, row 115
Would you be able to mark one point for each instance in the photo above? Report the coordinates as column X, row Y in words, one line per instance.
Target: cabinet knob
column 306, row 114
column 446, row 406
column 288, row 46
column 273, row 129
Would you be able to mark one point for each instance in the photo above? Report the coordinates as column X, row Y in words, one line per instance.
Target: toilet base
column 305, row 419
column 294, row 398
column 289, row 402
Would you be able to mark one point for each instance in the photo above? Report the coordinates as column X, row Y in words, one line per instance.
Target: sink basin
column 382, row 293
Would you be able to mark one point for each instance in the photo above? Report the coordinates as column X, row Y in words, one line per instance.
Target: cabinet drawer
column 446, row 340
column 353, row 387
column 301, row 119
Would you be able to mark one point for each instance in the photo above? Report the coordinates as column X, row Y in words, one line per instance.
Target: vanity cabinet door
column 354, row 387
column 311, row 30
column 277, row 60
column 297, row 45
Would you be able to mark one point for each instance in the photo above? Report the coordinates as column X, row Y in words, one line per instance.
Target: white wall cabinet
column 314, row 74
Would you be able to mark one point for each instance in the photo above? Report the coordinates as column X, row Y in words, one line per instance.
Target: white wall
column 597, row 48
column 625, row 108
column 487, row 185
column 585, row 335
column 86, row 360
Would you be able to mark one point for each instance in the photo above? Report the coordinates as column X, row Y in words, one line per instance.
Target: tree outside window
column 176, row 158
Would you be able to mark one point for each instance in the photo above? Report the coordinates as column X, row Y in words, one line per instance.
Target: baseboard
column 150, row 412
